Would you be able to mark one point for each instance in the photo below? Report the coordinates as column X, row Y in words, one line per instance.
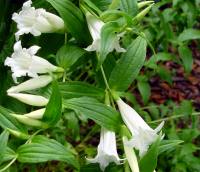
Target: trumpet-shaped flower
column 30, row 99
column 107, row 150
column 36, row 21
column 143, row 134
column 24, row 62
column 31, row 84
column 95, row 25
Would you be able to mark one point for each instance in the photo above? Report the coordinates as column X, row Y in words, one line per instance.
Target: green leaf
column 73, row 18
column 93, row 6
column 3, row 142
column 53, row 110
column 102, row 4
column 164, row 74
column 75, row 89
column 103, row 115
column 144, row 89
column 166, row 145
column 189, row 34
column 108, row 38
column 129, row 6
column 113, row 15
column 8, row 121
column 42, row 149
column 67, row 55
column 162, row 56
column 8, row 155
column 185, row 108
column 129, row 65
column 186, row 57
column 148, row 162
column 90, row 168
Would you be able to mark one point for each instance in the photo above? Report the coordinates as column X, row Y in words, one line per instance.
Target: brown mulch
column 183, row 86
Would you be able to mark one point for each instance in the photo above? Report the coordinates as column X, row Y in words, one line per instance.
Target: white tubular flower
column 37, row 114
column 31, row 84
column 36, row 21
column 24, row 62
column 95, row 25
column 30, row 99
column 143, row 135
column 107, row 150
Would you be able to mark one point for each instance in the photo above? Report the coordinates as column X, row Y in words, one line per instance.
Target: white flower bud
column 131, row 157
column 29, row 99
column 37, row 114
column 31, row 84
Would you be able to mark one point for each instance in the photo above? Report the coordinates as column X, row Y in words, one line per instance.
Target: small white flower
column 30, row 99
column 24, row 62
column 107, row 150
column 143, row 135
column 36, row 21
column 31, row 84
column 95, row 25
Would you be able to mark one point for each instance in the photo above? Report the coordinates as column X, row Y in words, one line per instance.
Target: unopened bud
column 18, row 134
column 131, row 157
column 37, row 114
column 144, row 3
column 30, row 99
column 143, row 13
column 29, row 121
column 31, row 84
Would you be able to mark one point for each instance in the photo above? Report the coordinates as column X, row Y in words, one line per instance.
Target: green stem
column 64, row 76
column 148, row 107
column 34, row 134
column 65, row 38
column 105, row 79
column 9, row 164
column 173, row 117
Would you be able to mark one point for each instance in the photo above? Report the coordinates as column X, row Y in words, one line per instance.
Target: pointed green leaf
column 103, row 115
column 148, row 162
column 75, row 89
column 54, row 107
column 3, row 142
column 73, row 18
column 42, row 149
column 166, row 145
column 129, row 65
column 189, row 34
column 8, row 155
column 8, row 121
column 144, row 89
column 186, row 57
column 130, row 6
column 67, row 55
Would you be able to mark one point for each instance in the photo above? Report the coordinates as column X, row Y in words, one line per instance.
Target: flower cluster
column 142, row 135
column 25, row 62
